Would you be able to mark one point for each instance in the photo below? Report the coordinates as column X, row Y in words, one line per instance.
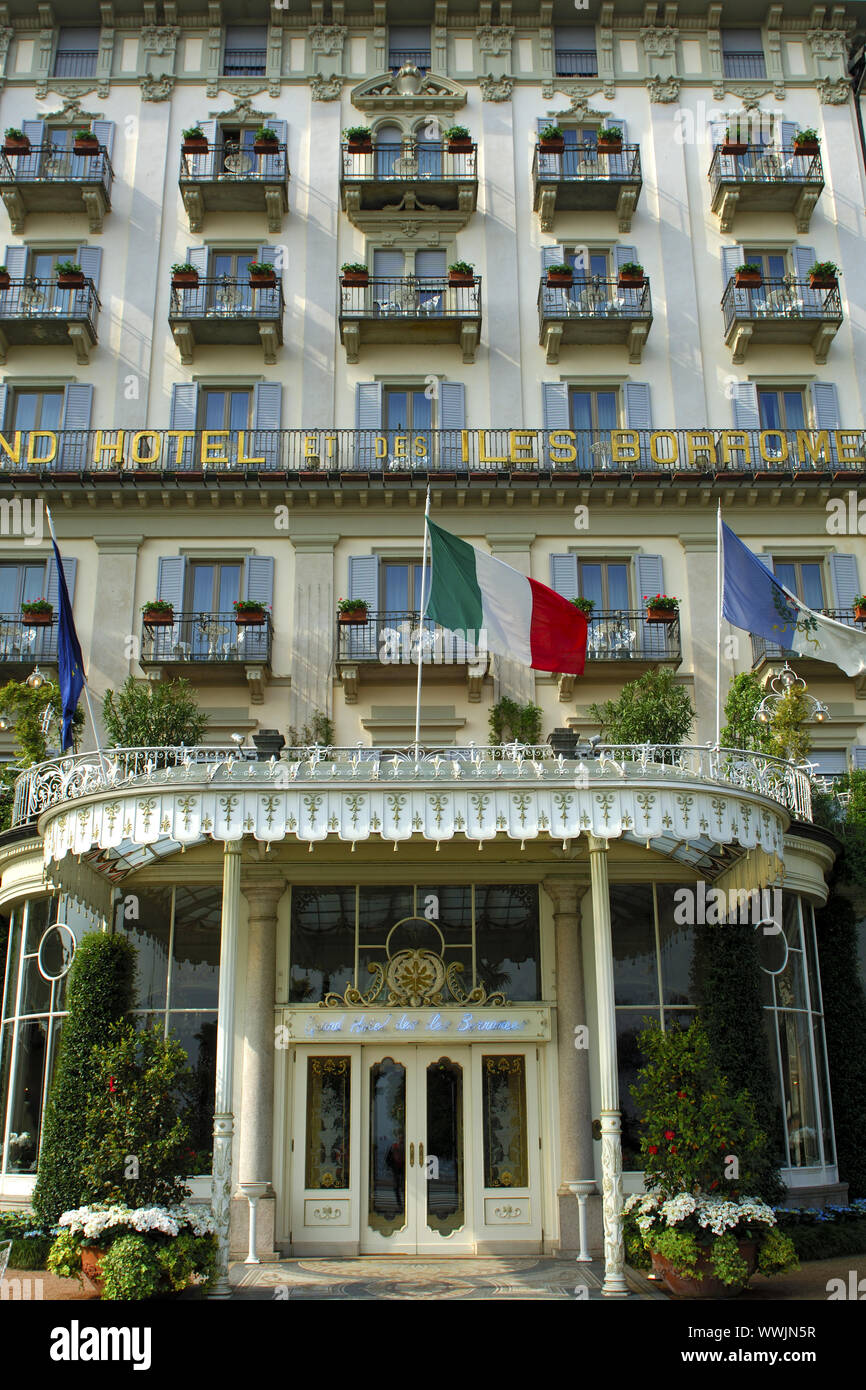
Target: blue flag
column 752, row 598
column 70, row 663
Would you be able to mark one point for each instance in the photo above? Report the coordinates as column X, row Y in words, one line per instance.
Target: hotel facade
column 415, row 977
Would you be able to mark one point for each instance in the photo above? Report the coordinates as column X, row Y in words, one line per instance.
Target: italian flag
column 525, row 621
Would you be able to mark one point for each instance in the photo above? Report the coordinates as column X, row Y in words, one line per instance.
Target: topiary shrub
column 131, row 1269
column 653, row 709
column 510, row 720
column 99, row 991
column 145, row 714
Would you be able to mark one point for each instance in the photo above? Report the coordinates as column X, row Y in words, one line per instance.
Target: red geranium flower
column 669, row 1134
column 653, row 1149
column 673, row 1148
column 681, row 1095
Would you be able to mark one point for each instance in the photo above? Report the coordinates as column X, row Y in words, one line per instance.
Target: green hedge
column 844, row 1027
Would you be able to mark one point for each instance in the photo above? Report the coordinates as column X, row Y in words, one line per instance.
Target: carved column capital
column 565, row 894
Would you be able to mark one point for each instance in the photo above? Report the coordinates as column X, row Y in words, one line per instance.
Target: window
column 37, row 410
column 606, row 583
column 223, row 408
column 743, row 54
column 20, row 584
column 213, row 586
column 574, row 53
column 409, row 281
column 593, row 410
column 401, row 586
column 781, row 408
column 804, row 578
column 77, row 50
column 43, row 264
column 409, row 44
column 245, row 51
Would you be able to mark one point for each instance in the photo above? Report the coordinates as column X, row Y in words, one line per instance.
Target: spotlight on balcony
column 36, row 679
column 4, row 723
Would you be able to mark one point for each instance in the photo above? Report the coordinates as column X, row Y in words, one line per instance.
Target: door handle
column 420, row 1155
column 411, row 1155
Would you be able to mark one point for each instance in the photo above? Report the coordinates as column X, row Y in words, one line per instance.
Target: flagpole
column 421, row 627
column 719, row 625
column 84, row 686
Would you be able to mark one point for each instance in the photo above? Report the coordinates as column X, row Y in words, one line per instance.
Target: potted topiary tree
column 461, row 273
column 266, row 140
column 609, row 140
column 69, row 275
column 85, row 142
column 748, row 276
column 194, row 140
column 823, row 275
column 551, row 139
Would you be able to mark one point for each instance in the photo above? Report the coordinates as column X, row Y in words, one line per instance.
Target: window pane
column 795, row 415
column 813, row 588
column 196, row 952
column 197, row 1034
column 26, row 406
column 33, row 582
column 591, row 584
column 240, row 409
column 202, row 588
column 214, row 410
column 629, row 1023
column 776, row 267
column 786, row 574
column 506, row 1162
column 606, row 404
column 794, row 1031
column 9, row 590
column 149, row 934
column 229, row 587
column 677, row 949
column 27, row 1096
column 328, row 1119
column 634, row 947
column 422, row 411
column 10, row 967
column 581, row 409
column 823, row 1097
column 768, row 404
column 322, row 943
column 35, row 989
column 396, row 409
column 40, row 911
column 451, row 909
column 396, row 588
column 506, row 941
column 617, row 586
column 386, row 1207
column 773, row 1053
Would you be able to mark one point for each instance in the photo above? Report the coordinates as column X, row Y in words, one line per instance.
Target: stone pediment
column 407, row 91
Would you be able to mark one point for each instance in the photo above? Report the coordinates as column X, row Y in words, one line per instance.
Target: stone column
column 575, row 1109
column 611, row 1143
column 223, row 1120
column 314, row 603
column 255, row 1163
column 114, row 622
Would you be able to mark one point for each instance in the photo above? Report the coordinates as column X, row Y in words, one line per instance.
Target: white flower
column 678, row 1208
column 93, row 1222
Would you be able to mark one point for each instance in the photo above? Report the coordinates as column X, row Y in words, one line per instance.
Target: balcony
column 765, row 180
column 575, row 62
column 582, row 180
column 214, row 644
column 744, row 67
column 409, row 57
column 228, row 313
column 781, row 311
column 436, row 184
column 48, row 179
column 24, row 645
column 231, row 179
column 622, row 640
column 81, row 63
column 386, row 648
column 43, row 313
column 766, row 654
column 591, row 312
column 417, row 310
column 245, row 62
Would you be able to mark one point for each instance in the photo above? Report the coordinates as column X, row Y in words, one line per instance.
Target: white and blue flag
column 754, row 600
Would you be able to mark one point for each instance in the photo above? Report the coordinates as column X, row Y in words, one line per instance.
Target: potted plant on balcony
column 551, row 139
column 354, row 273
column 661, row 608
column 631, row 275
column 69, row 275
column 823, row 275
column 458, row 138
column 609, row 140
column 85, row 142
column 157, row 613
column 248, row 613
column 585, row 605
column 732, row 144
column 194, row 141
column 261, row 276
column 359, row 138
column 748, row 276
column 38, row 612
column 16, row 142
column 352, row 610
column 562, row 275
column 5, row 278
column 461, row 273
column 182, row 273
column 860, row 609
column 806, row 141
column 266, row 140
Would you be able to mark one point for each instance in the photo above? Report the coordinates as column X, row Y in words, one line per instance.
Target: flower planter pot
column 823, row 282
column 734, row 147
column 5, row 280
column 359, row 146
column 14, row 147
column 704, row 1283
column 634, row 282
column 806, row 147
column 90, row 147
column 609, row 146
column 563, row 281
column 356, row 619
column 71, row 282
column 552, row 146
column 195, row 146
column 91, row 1266
column 356, row 277
column 184, row 279
column 860, row 613
column 747, row 281
column 158, row 619
column 456, row 277
column 661, row 615
column 266, row 146
column 460, row 145
column 252, row 618
column 263, row 282
column 38, row 619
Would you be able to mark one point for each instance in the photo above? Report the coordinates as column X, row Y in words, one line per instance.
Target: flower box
column 263, row 279
column 860, row 612
column 85, row 144
column 356, row 277
column 266, row 146
column 734, row 147
column 748, row 279
column 609, row 146
column 823, row 282
column 806, row 147
column 353, row 616
column 198, row 144
column 357, row 144
column 158, row 617
column 460, row 277
column 552, row 146
column 560, row 277
column 37, row 617
column 661, row 615
column 70, row 279
column 630, row 281
column 459, row 143
column 250, row 617
column 16, row 144
column 5, row 280
column 181, row 278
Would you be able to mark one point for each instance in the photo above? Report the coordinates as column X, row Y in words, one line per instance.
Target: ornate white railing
column 80, row 775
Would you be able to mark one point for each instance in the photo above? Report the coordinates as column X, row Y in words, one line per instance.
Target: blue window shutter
column 563, row 575
column 551, row 255
column 803, row 257
column 858, row 755
column 650, row 575
column 52, row 588
column 77, row 405
column 364, row 579
column 273, row 165
column 259, row 579
column 268, row 255
column 204, row 165
column 184, row 416
column 267, row 419
column 717, row 132
column 732, row 256
column 554, row 405
column 452, row 418
column 825, row 401
column 846, row 583
column 766, row 559
column 745, row 403
column 623, row 254
column 787, row 131
column 638, row 405
column 617, row 123
column 196, row 256
column 35, row 132
column 368, row 418
column 90, row 260
column 4, row 393
column 15, row 261
column 104, row 132
column 169, row 583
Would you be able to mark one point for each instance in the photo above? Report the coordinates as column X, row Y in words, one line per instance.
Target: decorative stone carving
column 71, row 113
column 328, row 38
column 611, row 1203
column 244, row 113
column 828, row 43
column 663, row 89
column 833, row 92
column 659, row 42
column 5, row 39
column 241, row 86
column 326, row 88
column 496, row 88
column 156, row 88
column 576, row 89
column 410, row 91
column 62, row 86
column 495, row 39
column 160, row 39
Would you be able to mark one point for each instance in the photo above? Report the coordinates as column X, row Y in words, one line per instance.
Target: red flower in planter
column 681, row 1095
column 652, row 1149
column 669, row 1134
column 673, row 1148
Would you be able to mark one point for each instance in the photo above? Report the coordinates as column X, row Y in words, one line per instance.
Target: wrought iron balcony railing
column 586, row 163
column 44, row 312
column 626, row 635
column 51, row 165
column 399, row 57
column 419, row 298
column 762, row 650
column 80, row 64
column 27, row 643
column 391, row 638
column 245, row 62
column 742, row 67
column 232, row 163
column 762, row 164
column 427, row 161
column 204, row 639
column 594, row 298
column 781, row 311
column 575, row 62
column 225, row 298
column 317, row 456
